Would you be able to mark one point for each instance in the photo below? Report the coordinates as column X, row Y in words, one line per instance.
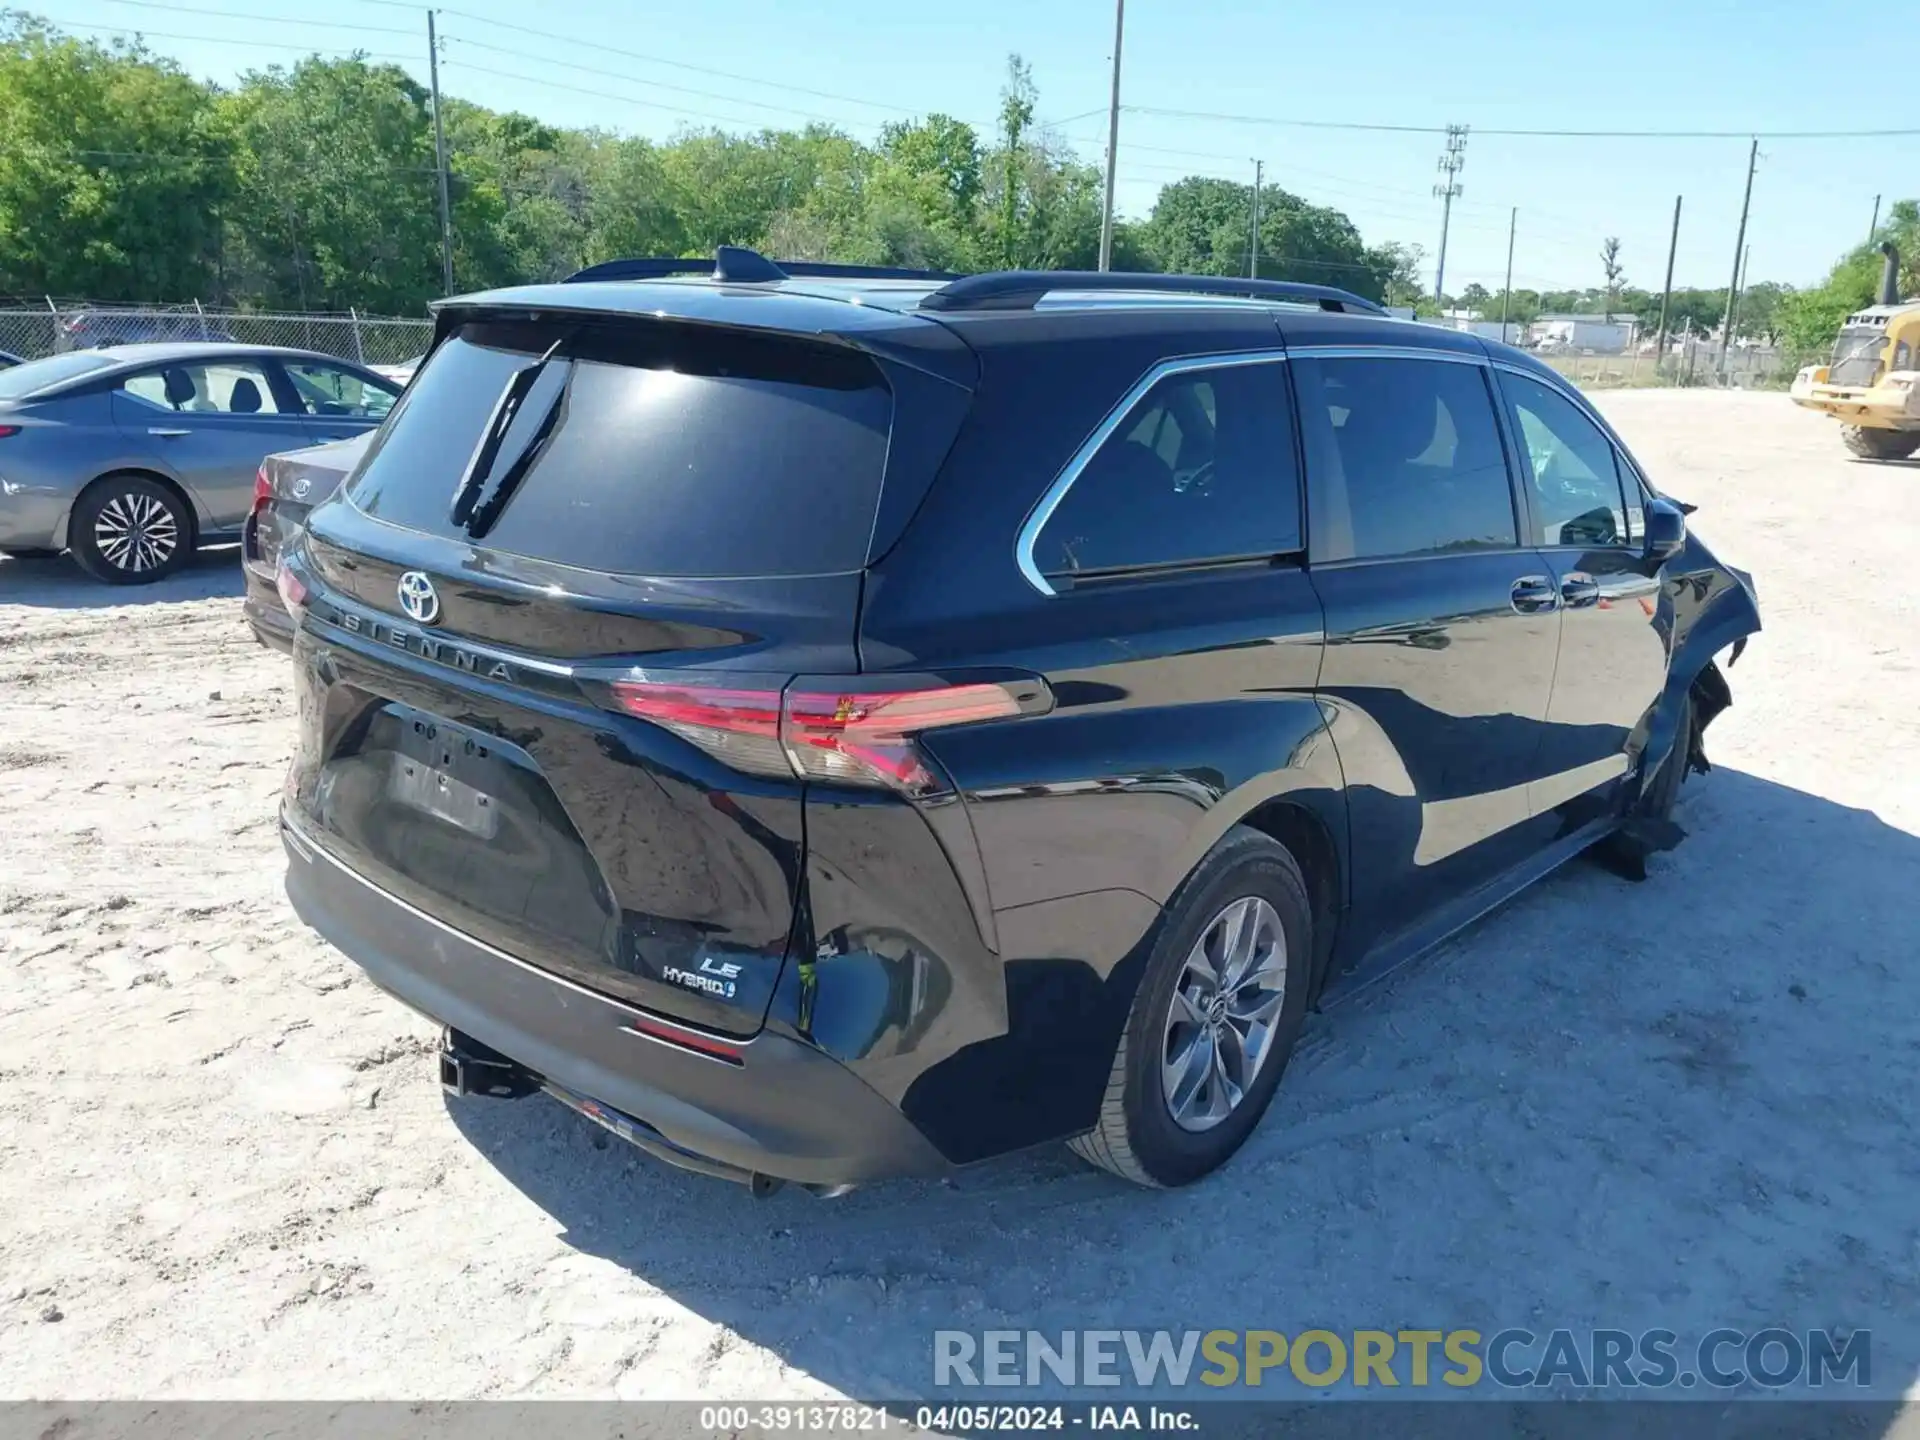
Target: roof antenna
column 744, row 267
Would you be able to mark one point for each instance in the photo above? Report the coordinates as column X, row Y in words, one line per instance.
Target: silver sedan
column 130, row 456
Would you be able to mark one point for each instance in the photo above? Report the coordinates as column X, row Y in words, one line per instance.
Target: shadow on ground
column 1682, row 1104
column 57, row 583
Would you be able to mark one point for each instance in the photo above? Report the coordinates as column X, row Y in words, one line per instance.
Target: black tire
column 1873, row 444
column 1660, row 796
column 130, row 530
column 1137, row 1137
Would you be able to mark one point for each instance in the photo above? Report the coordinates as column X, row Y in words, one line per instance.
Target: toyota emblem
column 418, row 597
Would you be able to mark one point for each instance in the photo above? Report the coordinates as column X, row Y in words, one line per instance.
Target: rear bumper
column 32, row 518
column 268, row 617
column 786, row 1110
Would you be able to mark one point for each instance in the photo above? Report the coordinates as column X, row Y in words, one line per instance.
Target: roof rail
column 1024, row 289
column 652, row 268
column 741, row 266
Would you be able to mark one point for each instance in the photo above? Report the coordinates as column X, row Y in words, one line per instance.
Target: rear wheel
column 1214, row 1021
column 1872, row 444
column 130, row 530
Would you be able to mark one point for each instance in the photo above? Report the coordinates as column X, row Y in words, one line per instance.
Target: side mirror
column 1666, row 529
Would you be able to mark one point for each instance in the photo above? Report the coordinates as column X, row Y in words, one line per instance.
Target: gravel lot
column 226, row 1169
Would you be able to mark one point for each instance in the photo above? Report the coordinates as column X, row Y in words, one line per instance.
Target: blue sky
column 1630, row 65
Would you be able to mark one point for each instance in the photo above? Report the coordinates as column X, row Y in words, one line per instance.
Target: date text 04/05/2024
column 945, row 1419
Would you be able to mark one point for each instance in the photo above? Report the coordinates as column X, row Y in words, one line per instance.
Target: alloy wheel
column 135, row 532
column 1220, row 1021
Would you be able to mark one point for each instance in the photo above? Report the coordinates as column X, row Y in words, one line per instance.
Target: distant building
column 1582, row 333
column 1471, row 322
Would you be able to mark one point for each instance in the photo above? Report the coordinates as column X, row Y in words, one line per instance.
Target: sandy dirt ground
column 226, row 1169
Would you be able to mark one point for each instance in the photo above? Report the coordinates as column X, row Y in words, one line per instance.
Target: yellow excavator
column 1872, row 384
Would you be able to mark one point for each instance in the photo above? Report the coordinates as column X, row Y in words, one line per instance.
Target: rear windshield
column 643, row 448
column 35, row 375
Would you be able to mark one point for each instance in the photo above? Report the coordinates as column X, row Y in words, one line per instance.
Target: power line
column 227, row 40
column 1579, row 233
column 270, row 19
column 651, row 84
column 1271, row 120
column 609, row 95
column 605, row 49
column 1512, row 133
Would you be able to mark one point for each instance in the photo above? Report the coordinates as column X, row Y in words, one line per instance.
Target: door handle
column 1579, row 591
column 166, row 432
column 1533, row 594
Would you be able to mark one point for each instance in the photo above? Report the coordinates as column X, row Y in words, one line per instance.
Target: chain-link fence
column 31, row 332
column 1693, row 362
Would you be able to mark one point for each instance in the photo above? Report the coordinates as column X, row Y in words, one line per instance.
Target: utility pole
column 1874, row 228
column 1113, row 137
column 1739, row 248
column 1666, row 295
column 1448, row 190
column 440, row 159
column 1740, row 295
column 1506, row 296
column 1253, row 232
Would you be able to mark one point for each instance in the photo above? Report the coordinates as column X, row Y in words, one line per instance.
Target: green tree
column 1398, row 267
column 317, row 187
column 1016, row 117
column 1610, row 266
column 336, row 187
column 114, row 171
column 1190, row 217
column 521, row 196
column 1760, row 310
column 1200, row 226
column 629, row 210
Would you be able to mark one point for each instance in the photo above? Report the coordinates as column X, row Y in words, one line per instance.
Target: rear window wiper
column 480, row 465
column 483, row 516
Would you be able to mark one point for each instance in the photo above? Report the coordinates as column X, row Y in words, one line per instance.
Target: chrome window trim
column 1037, row 517
column 1385, row 352
column 1042, row 511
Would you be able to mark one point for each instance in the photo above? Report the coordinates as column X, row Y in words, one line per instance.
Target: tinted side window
column 1201, row 468
column 1406, row 458
column 1570, row 464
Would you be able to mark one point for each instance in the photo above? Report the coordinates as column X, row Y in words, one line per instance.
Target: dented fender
column 1712, row 607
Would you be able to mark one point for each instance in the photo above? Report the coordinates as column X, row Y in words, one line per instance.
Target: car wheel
column 130, row 530
column 1215, row 1019
column 1875, row 444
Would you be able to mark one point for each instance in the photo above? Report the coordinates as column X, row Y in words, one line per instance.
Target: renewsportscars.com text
column 1512, row 1359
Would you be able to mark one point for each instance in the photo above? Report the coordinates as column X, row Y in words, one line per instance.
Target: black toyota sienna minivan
column 827, row 725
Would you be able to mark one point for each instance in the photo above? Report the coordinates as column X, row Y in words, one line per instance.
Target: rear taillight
column 293, row 590
column 262, row 490
column 8, row 430
column 845, row 737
